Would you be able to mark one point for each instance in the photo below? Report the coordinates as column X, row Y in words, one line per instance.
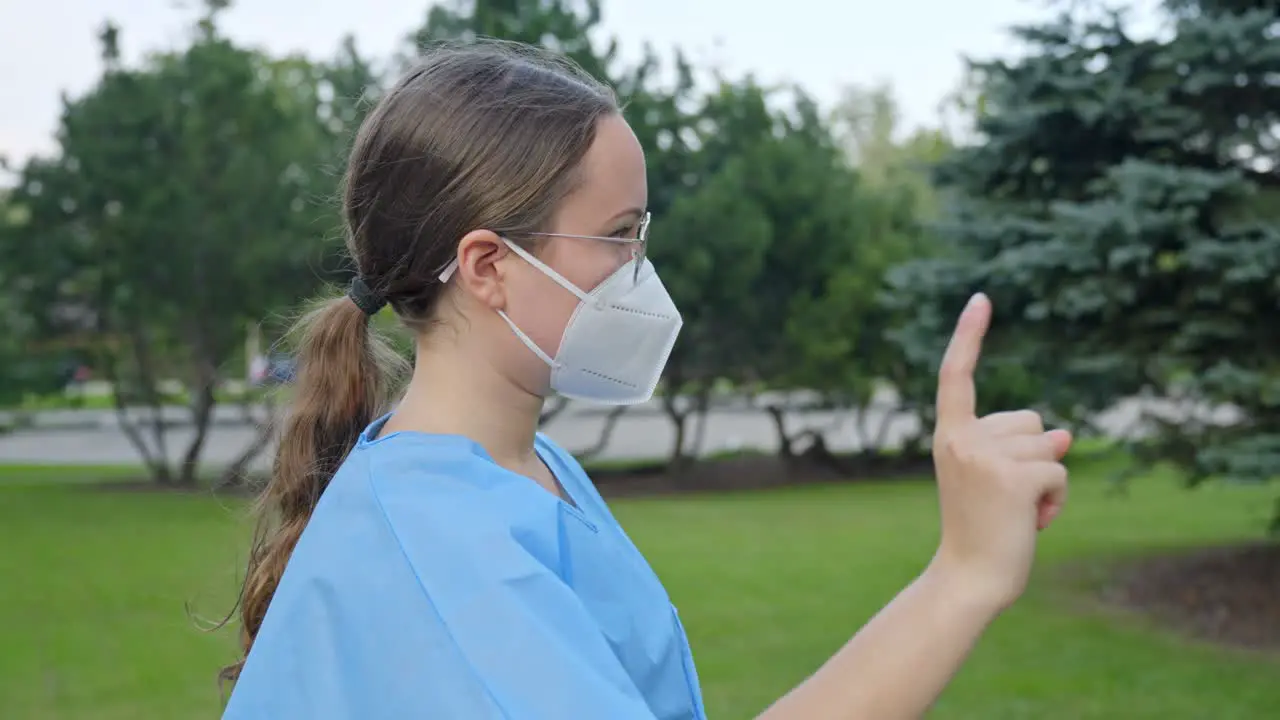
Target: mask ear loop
column 528, row 342
column 446, row 274
column 546, row 270
column 560, row 280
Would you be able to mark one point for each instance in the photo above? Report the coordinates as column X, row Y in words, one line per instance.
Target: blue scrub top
column 432, row 583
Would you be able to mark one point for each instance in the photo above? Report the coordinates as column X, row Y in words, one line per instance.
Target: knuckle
column 1056, row 474
column 955, row 446
column 1031, row 420
column 945, row 443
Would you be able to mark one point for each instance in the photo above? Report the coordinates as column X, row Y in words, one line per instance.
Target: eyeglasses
column 639, row 246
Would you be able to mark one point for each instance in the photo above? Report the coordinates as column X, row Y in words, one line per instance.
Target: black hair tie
column 365, row 298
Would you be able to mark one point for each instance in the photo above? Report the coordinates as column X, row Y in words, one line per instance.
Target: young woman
column 447, row 561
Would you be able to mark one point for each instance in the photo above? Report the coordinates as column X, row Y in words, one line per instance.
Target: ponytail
column 344, row 377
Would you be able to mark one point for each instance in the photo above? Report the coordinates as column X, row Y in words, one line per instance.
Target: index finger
column 957, row 395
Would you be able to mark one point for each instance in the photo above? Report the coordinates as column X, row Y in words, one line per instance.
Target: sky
column 48, row 47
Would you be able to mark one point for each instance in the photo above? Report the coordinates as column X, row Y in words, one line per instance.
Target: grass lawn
column 769, row 584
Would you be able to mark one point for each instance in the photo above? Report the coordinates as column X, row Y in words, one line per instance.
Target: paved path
column 643, row 433
column 237, row 414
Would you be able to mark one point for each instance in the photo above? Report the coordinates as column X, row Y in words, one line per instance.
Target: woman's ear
column 479, row 272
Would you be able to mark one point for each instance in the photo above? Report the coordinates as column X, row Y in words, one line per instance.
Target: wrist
column 965, row 590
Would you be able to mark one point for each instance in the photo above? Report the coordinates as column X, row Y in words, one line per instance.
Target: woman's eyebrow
column 635, row 212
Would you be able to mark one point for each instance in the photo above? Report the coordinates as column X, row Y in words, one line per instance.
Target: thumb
column 957, row 397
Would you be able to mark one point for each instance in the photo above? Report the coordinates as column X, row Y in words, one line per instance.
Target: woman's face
column 609, row 201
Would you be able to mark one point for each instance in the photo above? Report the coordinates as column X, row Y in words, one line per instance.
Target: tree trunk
column 148, row 385
column 606, row 432
column 881, row 439
column 679, row 419
column 788, row 442
column 701, row 409
column 866, row 440
column 157, row 465
column 203, row 390
column 203, row 402
column 552, row 409
column 237, row 473
column 154, row 457
column 786, row 447
column 682, row 455
column 676, row 461
column 820, row 454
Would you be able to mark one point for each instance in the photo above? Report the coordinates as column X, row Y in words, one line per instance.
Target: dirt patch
column 754, row 472
column 745, row 472
column 145, row 487
column 1225, row 595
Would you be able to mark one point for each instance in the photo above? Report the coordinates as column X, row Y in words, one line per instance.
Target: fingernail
column 974, row 300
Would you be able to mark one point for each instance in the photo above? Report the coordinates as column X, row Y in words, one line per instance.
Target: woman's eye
column 624, row 233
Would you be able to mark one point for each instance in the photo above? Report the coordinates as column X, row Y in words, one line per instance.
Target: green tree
column 33, row 361
column 12, row 321
column 181, row 206
column 1122, row 212
column 837, row 339
column 711, row 252
column 340, row 92
column 867, row 123
column 567, row 27
column 683, row 244
column 761, row 211
column 873, row 190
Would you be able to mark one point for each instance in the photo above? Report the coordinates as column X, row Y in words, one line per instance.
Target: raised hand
column 1000, row 477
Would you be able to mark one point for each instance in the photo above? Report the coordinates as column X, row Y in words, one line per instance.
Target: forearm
column 898, row 664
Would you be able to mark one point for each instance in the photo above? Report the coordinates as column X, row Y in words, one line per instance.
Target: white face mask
column 618, row 339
